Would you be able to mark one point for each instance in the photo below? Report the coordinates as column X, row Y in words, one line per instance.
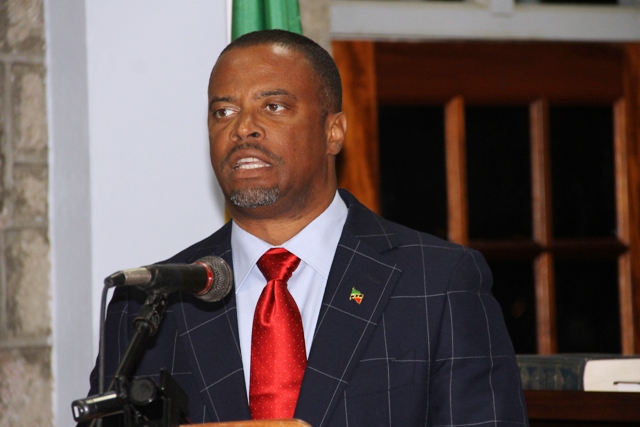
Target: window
column 525, row 151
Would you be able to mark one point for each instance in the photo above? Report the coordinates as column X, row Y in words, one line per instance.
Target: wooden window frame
column 384, row 73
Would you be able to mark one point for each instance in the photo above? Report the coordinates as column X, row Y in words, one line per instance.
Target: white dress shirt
column 315, row 245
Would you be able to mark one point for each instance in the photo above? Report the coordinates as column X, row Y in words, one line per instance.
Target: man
column 399, row 327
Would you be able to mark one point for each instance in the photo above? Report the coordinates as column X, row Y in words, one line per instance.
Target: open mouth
column 250, row 163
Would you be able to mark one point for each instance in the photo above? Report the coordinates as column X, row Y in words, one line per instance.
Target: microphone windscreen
column 222, row 279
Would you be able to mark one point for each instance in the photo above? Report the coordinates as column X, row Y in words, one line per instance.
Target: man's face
column 271, row 147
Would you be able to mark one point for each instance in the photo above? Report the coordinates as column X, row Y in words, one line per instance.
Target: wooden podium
column 255, row 423
column 546, row 409
column 551, row 408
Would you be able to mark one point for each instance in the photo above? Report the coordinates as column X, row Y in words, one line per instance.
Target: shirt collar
column 315, row 244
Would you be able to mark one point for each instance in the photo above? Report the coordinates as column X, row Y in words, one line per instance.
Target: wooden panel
column 456, row 166
column 358, row 169
column 255, row 423
column 543, row 228
column 583, row 406
column 625, row 285
column 631, row 313
column 431, row 73
column 540, row 172
column 546, row 319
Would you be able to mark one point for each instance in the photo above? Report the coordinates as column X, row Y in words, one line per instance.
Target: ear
column 336, row 130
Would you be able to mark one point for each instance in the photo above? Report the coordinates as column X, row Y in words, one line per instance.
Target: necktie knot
column 278, row 264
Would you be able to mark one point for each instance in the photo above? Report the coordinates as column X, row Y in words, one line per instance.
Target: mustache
column 249, row 145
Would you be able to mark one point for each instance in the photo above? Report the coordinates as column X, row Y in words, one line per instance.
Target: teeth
column 251, row 166
column 248, row 160
column 251, row 163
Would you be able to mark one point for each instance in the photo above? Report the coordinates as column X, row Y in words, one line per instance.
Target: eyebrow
column 277, row 92
column 220, row 99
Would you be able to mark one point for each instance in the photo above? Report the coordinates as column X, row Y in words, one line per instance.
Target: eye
column 222, row 112
column 274, row 108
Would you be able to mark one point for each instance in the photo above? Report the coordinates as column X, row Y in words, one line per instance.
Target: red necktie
column 278, row 355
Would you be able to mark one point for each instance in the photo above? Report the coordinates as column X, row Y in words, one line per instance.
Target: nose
column 246, row 127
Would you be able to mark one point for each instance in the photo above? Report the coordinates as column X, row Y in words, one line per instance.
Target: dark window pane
column 498, row 176
column 587, row 306
column 513, row 287
column 582, row 170
column 412, row 174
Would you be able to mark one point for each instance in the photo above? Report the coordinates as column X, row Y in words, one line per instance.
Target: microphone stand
column 145, row 325
column 118, row 394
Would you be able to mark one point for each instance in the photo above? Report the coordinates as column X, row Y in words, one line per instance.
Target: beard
column 254, row 197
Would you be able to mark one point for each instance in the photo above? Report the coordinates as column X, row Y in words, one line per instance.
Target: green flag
column 253, row 15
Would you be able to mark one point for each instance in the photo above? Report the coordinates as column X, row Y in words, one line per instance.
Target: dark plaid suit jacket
column 427, row 345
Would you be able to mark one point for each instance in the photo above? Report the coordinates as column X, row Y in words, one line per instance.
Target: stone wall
column 314, row 16
column 25, row 318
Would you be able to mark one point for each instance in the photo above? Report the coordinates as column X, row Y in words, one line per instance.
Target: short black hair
column 320, row 60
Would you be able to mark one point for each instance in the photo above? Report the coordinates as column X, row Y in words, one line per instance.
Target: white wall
column 151, row 182
column 130, row 181
column 484, row 20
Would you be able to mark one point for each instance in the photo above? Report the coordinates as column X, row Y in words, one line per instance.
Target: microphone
column 209, row 279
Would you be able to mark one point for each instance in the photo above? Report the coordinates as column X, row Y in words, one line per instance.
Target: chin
column 254, row 197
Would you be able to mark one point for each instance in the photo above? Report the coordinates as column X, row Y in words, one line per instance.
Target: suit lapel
column 209, row 332
column 344, row 325
column 209, row 335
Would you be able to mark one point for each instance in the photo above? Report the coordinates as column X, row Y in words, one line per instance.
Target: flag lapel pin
column 356, row 295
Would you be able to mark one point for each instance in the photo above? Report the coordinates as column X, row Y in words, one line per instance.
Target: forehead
column 259, row 67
